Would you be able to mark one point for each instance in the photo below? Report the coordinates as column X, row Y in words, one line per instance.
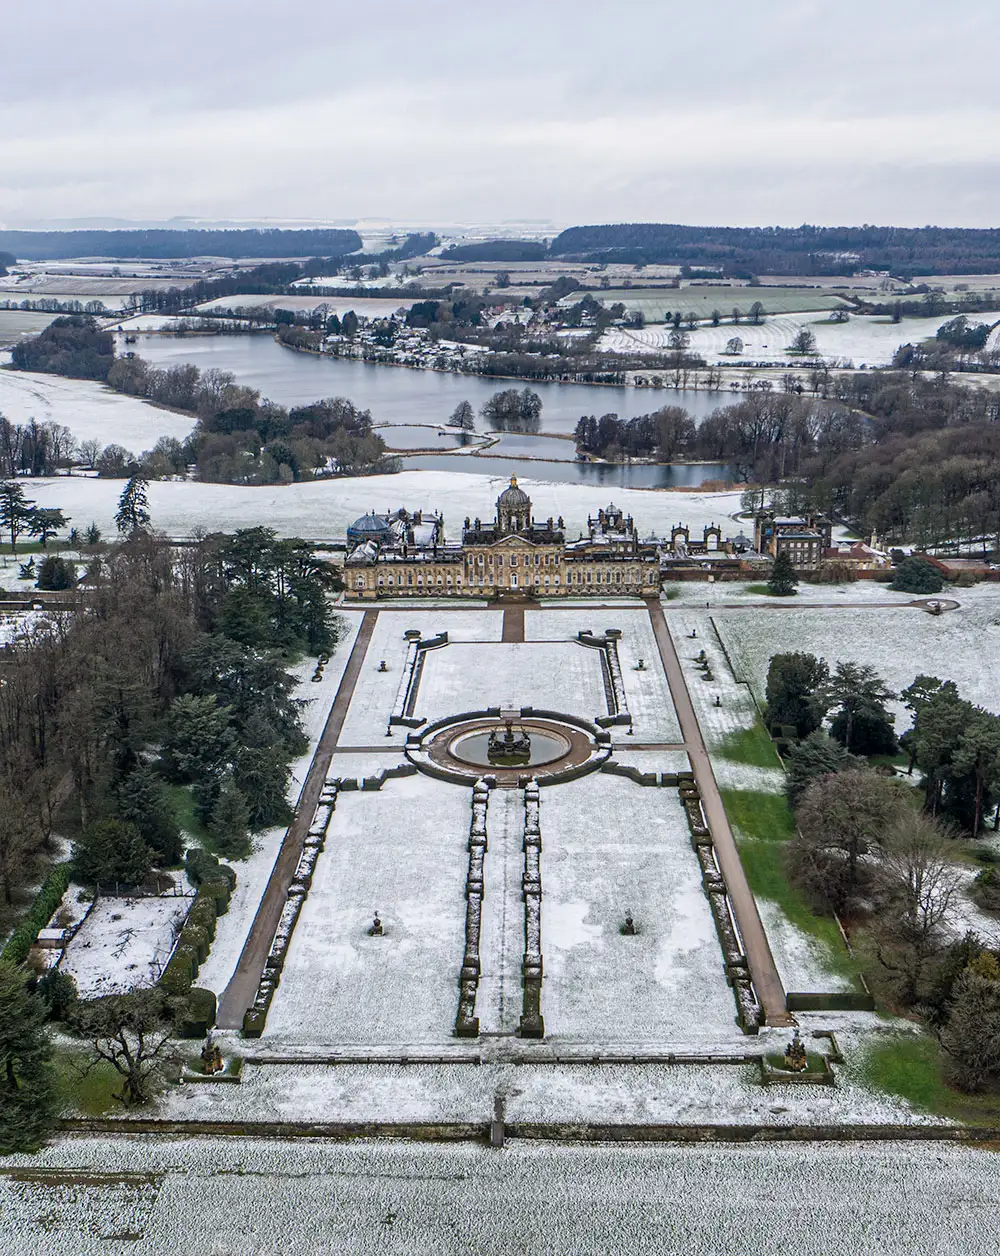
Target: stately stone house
column 513, row 556
column 804, row 538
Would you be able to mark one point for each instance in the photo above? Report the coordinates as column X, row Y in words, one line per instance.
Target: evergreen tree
column 15, row 511
column 971, row 1037
column 817, row 755
column 144, row 803
column 133, row 507
column 111, row 851
column 793, row 685
column 55, row 573
column 917, row 575
column 261, row 775
column 782, row 580
column 230, row 821
column 28, row 1099
column 862, row 723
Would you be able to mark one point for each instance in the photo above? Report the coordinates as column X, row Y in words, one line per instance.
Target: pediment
column 513, row 542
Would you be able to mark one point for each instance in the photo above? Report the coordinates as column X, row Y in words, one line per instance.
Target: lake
column 404, row 397
column 397, row 394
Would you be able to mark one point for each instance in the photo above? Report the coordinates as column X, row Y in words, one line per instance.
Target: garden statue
column 628, row 928
column 795, row 1055
column 718, row 700
column 641, row 665
column 382, row 667
column 211, row 1056
column 694, row 634
column 509, row 748
column 376, row 928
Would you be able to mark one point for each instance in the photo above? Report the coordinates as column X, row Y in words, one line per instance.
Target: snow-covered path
column 502, row 942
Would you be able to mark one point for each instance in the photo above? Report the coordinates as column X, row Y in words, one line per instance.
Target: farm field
column 865, row 340
column 369, row 307
column 15, row 325
column 702, row 301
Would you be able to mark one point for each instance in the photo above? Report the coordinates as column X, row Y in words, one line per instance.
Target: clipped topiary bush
column 203, row 915
column 220, row 892
column 195, row 937
column 180, row 972
column 197, row 1015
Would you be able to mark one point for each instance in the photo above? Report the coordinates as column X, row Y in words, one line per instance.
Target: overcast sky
column 762, row 111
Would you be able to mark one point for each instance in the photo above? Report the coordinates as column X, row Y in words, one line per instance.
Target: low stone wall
column 255, row 1017
column 532, row 1022
column 404, row 707
column 748, row 1010
column 611, row 670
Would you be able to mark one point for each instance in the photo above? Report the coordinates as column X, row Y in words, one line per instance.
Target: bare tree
column 917, row 884
column 128, row 1032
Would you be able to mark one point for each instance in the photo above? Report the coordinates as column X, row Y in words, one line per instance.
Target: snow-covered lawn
column 124, row 943
column 961, row 645
column 610, row 846
column 245, row 1197
column 325, row 508
column 866, row 340
column 649, row 701
column 375, row 693
column 364, row 307
column 403, row 853
column 557, row 675
column 91, row 412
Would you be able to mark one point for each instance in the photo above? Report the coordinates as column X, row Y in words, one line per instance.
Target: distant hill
column 805, row 250
column 43, row 246
column 497, row 251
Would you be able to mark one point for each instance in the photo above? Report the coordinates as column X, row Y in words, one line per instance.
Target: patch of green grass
column 751, row 746
column 182, row 800
column 758, row 590
column 764, row 824
column 759, row 816
column 669, row 592
column 86, row 1094
column 910, row 1066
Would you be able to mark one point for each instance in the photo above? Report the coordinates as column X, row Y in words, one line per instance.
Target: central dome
column 513, row 496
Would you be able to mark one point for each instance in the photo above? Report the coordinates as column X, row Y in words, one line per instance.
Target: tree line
column 883, row 855
column 806, row 250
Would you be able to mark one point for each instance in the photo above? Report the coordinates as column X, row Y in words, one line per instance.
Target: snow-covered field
column 367, row 307
column 325, row 508
column 900, row 644
column 610, row 846
column 124, row 943
column 556, row 675
column 400, row 852
column 866, row 340
column 89, row 410
column 647, row 693
column 375, row 693
column 239, row 1197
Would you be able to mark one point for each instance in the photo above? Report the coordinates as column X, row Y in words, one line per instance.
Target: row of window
column 632, row 576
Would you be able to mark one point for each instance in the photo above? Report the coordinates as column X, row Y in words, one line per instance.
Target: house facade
column 512, row 556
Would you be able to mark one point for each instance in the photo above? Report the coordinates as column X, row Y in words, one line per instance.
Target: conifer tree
column 28, row 1098
column 133, row 507
column 783, row 579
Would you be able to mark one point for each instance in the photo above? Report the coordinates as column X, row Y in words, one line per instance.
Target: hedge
column 202, row 867
column 198, row 1014
column 46, row 901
